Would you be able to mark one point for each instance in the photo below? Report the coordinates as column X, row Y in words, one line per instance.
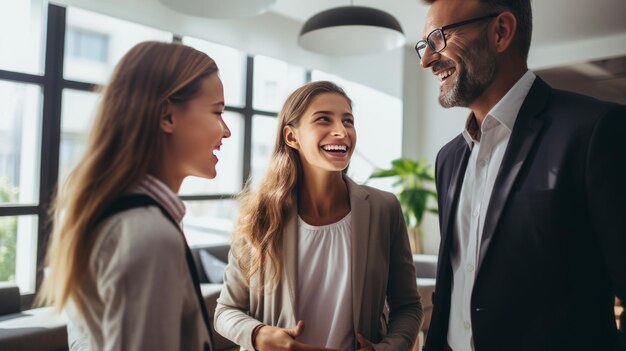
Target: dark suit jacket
column 553, row 249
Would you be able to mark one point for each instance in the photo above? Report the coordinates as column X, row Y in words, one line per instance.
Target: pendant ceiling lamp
column 351, row 30
column 219, row 8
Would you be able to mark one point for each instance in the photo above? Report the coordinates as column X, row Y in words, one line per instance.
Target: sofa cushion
column 35, row 329
column 9, row 298
column 219, row 251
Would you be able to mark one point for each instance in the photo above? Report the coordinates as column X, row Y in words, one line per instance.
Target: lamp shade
column 351, row 30
column 219, row 8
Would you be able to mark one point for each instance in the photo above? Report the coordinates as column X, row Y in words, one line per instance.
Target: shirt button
column 476, row 212
column 467, row 325
column 469, row 267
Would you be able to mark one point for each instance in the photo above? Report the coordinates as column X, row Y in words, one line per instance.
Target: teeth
column 444, row 75
column 335, row 148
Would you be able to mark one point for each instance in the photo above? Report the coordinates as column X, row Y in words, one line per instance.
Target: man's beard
column 474, row 79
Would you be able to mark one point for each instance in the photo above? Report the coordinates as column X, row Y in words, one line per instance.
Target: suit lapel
column 527, row 127
column 461, row 156
column 290, row 255
column 360, row 208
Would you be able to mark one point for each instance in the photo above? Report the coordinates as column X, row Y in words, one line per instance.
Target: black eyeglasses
column 436, row 40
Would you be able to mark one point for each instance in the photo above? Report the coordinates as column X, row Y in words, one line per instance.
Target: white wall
column 577, row 51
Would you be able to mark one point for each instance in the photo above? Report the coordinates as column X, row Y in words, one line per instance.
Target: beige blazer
column 140, row 296
column 383, row 269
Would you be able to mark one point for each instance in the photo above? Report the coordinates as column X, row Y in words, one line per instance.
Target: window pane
column 232, row 66
column 229, row 167
column 22, row 27
column 94, row 43
column 20, row 133
column 263, row 140
column 209, row 222
column 77, row 113
column 372, row 111
column 274, row 80
column 18, row 251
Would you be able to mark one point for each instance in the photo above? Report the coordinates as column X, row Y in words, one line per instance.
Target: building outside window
column 87, row 45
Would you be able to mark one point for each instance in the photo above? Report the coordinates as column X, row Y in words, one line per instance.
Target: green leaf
column 414, row 186
column 383, row 173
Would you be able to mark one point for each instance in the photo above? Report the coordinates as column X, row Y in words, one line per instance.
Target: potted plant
column 414, row 186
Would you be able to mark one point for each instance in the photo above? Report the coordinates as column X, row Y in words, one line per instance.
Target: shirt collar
column 505, row 111
column 162, row 194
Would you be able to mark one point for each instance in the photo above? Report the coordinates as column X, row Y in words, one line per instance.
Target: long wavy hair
column 258, row 233
column 125, row 144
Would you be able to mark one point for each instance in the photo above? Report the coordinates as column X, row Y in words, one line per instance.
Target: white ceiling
column 554, row 20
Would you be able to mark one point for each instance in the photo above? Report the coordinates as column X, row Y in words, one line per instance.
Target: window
column 18, row 248
column 46, row 117
column 95, row 43
column 273, row 81
column 209, row 222
column 22, row 33
column 263, row 139
column 77, row 112
column 232, row 67
column 20, row 126
column 22, row 29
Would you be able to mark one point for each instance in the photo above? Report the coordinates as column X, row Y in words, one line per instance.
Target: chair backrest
column 220, row 251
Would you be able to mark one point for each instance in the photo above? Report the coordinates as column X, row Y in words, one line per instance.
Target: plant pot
column 415, row 240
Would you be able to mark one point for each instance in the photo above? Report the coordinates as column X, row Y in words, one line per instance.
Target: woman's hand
column 270, row 338
column 364, row 344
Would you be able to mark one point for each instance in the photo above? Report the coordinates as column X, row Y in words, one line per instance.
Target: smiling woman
column 159, row 121
column 306, row 237
column 195, row 131
column 324, row 136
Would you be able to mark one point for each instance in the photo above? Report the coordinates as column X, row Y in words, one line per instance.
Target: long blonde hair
column 258, row 233
column 125, row 144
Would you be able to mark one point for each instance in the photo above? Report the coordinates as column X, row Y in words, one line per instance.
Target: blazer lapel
column 461, row 157
column 290, row 255
column 527, row 127
column 360, row 209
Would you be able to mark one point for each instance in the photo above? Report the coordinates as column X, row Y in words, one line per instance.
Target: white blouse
column 324, row 296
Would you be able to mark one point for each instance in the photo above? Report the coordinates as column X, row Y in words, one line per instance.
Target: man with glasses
column 532, row 193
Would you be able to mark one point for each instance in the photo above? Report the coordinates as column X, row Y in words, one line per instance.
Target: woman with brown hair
column 316, row 257
column 117, row 256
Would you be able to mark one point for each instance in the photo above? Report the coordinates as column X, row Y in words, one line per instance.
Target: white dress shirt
column 488, row 144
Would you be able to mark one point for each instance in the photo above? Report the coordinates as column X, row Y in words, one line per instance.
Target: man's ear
column 505, row 28
column 166, row 121
column 289, row 134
